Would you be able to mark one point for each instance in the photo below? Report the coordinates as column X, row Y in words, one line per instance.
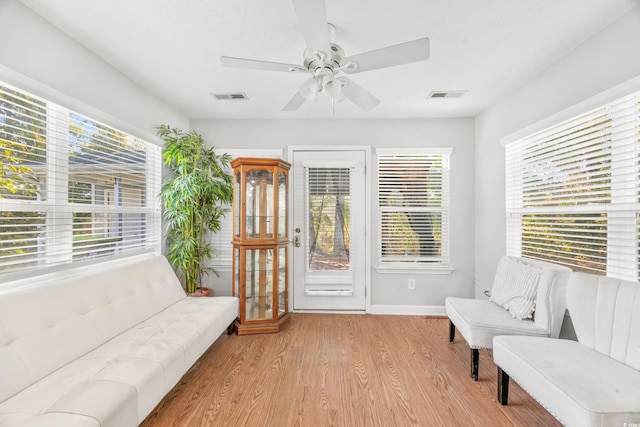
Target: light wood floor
column 344, row 370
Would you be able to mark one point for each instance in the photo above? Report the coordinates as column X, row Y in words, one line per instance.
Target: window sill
column 404, row 269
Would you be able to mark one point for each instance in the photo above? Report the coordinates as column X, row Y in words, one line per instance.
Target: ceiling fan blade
column 312, row 16
column 294, row 103
column 358, row 95
column 404, row 53
column 254, row 64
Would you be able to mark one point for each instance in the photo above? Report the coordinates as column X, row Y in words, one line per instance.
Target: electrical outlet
column 411, row 284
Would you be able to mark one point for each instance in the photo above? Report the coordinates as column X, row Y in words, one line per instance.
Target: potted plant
column 194, row 200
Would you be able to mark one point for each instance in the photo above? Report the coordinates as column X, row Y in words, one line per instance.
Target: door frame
column 291, row 149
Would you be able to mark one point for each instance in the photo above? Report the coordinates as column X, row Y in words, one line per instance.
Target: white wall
column 37, row 57
column 389, row 291
column 607, row 60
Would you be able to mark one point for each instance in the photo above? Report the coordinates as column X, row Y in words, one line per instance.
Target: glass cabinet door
column 282, row 205
column 259, row 286
column 236, row 271
column 259, row 204
column 282, row 280
column 237, row 205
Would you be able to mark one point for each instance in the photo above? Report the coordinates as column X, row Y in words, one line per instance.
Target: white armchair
column 528, row 298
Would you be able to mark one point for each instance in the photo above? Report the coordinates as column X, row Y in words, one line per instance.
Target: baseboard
column 413, row 310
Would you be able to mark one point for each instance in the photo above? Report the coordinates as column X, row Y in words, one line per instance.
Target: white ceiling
column 172, row 48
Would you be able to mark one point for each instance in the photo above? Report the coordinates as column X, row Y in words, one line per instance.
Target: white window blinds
column 572, row 191
column 413, row 208
column 72, row 189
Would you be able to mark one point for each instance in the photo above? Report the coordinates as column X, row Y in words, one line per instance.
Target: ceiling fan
column 326, row 62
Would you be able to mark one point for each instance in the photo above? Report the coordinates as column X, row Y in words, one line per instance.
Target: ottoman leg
column 503, row 386
column 475, row 360
column 452, row 331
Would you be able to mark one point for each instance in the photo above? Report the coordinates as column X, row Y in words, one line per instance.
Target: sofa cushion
column 514, row 287
column 48, row 420
column 578, row 385
column 74, row 390
column 111, row 403
column 478, row 321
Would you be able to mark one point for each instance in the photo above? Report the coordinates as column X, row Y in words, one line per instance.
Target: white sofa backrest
column 551, row 295
column 606, row 315
column 42, row 328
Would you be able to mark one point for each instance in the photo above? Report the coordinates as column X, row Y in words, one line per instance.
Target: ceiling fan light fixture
column 330, row 86
column 309, row 89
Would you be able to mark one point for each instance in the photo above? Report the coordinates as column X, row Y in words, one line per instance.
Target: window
column 573, row 191
column 413, row 208
column 328, row 216
column 71, row 188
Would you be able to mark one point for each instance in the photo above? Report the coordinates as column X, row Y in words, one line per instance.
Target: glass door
column 329, row 230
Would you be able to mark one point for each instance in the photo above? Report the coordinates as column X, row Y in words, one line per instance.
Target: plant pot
column 200, row 292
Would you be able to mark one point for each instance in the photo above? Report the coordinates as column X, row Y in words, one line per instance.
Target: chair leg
column 475, row 360
column 452, row 331
column 503, row 386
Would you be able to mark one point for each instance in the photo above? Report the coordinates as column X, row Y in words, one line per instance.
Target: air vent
column 229, row 96
column 447, row 94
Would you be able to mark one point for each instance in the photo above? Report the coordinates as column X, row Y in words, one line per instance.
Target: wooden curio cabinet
column 260, row 244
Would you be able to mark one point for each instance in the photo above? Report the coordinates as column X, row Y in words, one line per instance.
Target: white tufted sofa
column 101, row 348
column 594, row 381
column 479, row 321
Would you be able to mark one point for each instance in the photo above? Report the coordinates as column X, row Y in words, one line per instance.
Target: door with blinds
column 329, row 230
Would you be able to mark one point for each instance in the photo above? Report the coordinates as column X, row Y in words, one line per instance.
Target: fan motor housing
column 317, row 62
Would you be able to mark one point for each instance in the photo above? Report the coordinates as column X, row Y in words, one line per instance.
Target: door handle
column 296, row 241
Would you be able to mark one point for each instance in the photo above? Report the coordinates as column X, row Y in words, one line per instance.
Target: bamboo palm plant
column 194, row 199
